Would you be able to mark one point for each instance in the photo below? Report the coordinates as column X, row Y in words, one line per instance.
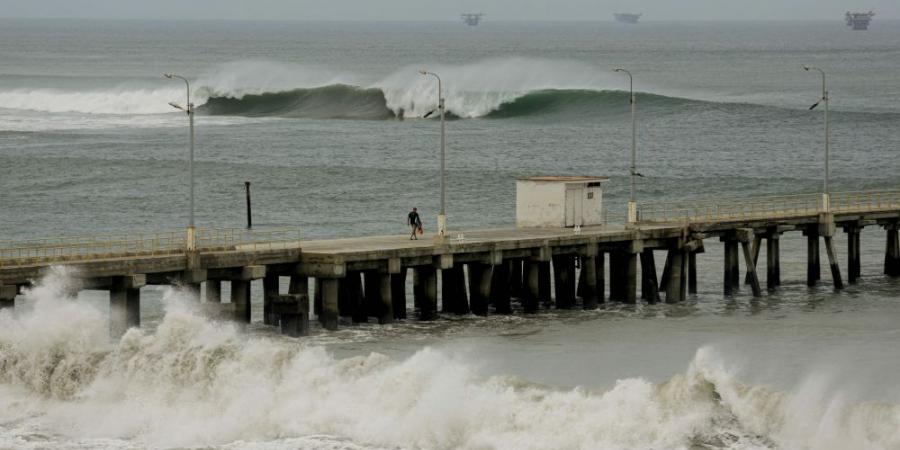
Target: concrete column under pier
column 480, row 276
column 427, row 276
column 813, row 272
column 500, row 288
column 398, row 294
column 692, row 272
column 214, row 291
column 270, row 295
column 564, row 280
column 589, row 295
column 531, row 293
column 240, row 298
column 649, row 283
column 892, row 251
column 773, row 260
column 731, row 272
column 544, row 280
column 8, row 296
column 675, row 287
column 125, row 303
column 515, row 278
column 330, row 313
column 385, row 306
column 854, row 269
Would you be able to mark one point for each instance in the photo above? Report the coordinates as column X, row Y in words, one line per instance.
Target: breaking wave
column 197, row 383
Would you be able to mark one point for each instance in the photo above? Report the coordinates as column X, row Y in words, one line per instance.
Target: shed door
column 574, row 204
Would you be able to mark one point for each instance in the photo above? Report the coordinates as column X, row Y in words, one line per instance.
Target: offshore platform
column 859, row 21
column 627, row 17
column 472, row 19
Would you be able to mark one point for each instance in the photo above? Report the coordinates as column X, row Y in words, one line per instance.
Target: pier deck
column 367, row 276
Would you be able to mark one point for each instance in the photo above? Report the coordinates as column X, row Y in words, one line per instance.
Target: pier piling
column 854, row 269
column 744, row 237
column 589, row 297
column 480, row 276
column 330, row 312
column 270, row 294
column 125, row 303
column 398, row 294
column 213, row 291
column 674, row 287
column 813, row 271
column 892, row 251
column 649, row 283
column 773, row 260
column 531, row 292
column 427, row 276
column 500, row 288
column 564, row 280
column 8, row 296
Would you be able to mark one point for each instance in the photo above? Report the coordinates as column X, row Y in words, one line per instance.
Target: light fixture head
column 176, row 105
column 618, row 70
column 806, row 68
column 168, row 75
column 423, row 71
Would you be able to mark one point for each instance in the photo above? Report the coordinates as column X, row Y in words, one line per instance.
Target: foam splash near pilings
column 197, row 383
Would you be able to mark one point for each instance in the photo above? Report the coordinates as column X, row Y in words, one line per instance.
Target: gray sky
column 447, row 9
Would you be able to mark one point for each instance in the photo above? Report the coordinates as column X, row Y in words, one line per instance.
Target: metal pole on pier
column 249, row 214
column 826, row 200
column 191, row 241
column 632, row 203
column 442, row 217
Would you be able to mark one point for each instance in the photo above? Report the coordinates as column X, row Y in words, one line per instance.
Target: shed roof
column 566, row 179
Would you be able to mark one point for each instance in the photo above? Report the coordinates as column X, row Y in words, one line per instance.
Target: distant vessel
column 472, row 19
column 627, row 17
column 859, row 21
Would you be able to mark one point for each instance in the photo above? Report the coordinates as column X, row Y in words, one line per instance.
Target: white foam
column 197, row 383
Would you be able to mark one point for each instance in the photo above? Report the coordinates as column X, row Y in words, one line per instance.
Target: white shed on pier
column 559, row 201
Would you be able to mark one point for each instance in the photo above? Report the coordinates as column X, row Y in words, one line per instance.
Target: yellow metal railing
column 787, row 206
column 86, row 248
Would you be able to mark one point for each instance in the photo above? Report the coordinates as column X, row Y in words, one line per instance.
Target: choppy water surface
column 326, row 121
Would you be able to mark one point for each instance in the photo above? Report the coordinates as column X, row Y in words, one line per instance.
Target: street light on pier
column 826, row 200
column 191, row 241
column 442, row 217
column 632, row 203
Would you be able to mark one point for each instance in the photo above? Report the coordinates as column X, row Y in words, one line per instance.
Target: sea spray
column 195, row 382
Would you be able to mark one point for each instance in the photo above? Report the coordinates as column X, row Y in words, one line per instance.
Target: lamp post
column 826, row 200
column 442, row 217
column 632, row 203
column 191, row 241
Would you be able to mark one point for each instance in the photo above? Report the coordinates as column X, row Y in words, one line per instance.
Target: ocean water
column 326, row 120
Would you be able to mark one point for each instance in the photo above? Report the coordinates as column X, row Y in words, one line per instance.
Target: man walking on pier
column 415, row 222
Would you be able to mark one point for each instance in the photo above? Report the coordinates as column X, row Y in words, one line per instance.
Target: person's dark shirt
column 414, row 218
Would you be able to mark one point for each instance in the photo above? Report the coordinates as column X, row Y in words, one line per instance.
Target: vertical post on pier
column 563, row 275
column 892, row 251
column 773, row 260
column 589, row 296
column 125, row 303
column 214, row 291
column 428, row 290
column 398, row 294
column 813, row 273
column 827, row 230
column 240, row 297
column 270, row 295
column 500, row 295
column 515, row 278
column 531, row 293
column 480, row 276
column 385, row 312
column 674, row 289
column 754, row 250
column 692, row 272
column 729, row 260
column 546, row 294
column 8, row 296
column 330, row 312
column 354, row 295
column 650, row 285
column 854, row 270
column 744, row 237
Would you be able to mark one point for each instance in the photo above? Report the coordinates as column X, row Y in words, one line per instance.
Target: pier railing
column 787, row 206
column 85, row 248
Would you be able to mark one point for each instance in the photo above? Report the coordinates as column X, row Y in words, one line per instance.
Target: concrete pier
column 502, row 264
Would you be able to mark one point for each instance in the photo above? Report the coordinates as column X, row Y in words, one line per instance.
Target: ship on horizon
column 627, row 17
column 472, row 19
column 859, row 21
